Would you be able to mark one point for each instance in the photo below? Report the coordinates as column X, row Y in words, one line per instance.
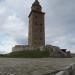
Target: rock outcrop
column 57, row 52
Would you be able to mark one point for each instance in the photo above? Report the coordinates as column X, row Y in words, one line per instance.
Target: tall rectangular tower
column 36, row 35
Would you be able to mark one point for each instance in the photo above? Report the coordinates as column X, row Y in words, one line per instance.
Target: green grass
column 28, row 54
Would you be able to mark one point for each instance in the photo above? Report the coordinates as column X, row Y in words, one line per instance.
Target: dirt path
column 11, row 66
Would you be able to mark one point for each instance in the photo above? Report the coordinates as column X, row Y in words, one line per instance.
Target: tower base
column 54, row 51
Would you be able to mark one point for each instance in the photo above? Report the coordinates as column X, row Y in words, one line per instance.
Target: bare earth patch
column 38, row 66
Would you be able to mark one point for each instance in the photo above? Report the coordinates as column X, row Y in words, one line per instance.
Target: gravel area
column 38, row 66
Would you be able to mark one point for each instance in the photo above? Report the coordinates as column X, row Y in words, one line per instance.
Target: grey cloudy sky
column 59, row 23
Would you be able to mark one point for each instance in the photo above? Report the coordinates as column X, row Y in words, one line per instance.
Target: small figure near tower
column 36, row 36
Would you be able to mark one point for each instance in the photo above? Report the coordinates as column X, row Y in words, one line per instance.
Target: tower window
column 36, row 17
column 40, row 30
column 41, row 24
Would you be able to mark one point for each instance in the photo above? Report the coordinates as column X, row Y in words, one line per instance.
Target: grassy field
column 27, row 54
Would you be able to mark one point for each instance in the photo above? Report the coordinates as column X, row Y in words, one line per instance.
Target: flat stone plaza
column 33, row 66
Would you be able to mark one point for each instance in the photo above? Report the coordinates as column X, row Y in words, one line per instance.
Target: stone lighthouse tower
column 36, row 34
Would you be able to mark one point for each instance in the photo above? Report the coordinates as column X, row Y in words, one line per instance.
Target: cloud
column 12, row 27
column 2, row 0
column 6, row 44
column 65, row 42
column 59, row 23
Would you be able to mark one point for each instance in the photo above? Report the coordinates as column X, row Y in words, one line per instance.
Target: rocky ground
column 38, row 66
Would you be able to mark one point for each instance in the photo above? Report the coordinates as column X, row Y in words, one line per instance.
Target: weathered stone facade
column 36, row 35
column 24, row 48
